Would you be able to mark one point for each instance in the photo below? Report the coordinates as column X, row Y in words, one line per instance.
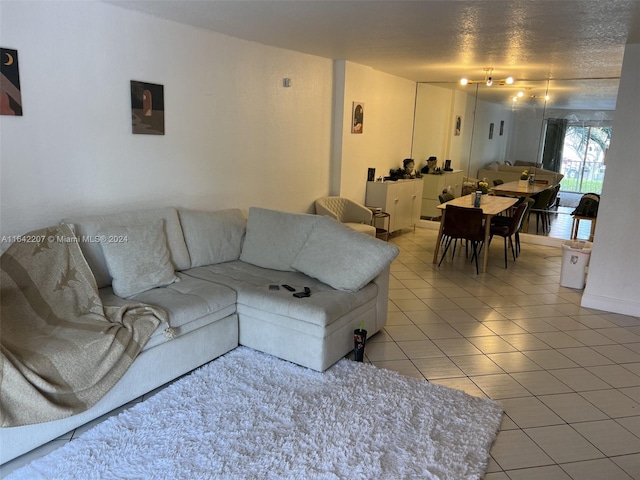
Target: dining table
column 517, row 189
column 491, row 205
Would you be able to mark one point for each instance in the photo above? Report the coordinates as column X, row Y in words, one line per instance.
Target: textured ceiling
column 439, row 41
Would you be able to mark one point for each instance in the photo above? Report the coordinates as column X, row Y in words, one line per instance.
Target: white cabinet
column 433, row 186
column 400, row 199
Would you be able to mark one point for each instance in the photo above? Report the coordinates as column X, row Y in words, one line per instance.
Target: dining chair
column 462, row 223
column 524, row 226
column 554, row 195
column 540, row 208
column 504, row 220
column 508, row 228
column 445, row 197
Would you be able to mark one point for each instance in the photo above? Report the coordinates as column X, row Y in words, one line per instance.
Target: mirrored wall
column 479, row 127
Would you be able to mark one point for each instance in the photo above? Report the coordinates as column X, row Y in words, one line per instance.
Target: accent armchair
column 347, row 211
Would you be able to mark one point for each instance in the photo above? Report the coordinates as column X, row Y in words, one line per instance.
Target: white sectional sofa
column 510, row 173
column 225, row 262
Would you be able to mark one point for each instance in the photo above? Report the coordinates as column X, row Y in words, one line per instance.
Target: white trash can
column 575, row 258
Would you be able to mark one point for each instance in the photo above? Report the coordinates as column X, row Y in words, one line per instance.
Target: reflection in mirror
column 577, row 131
column 443, row 128
column 521, row 119
column 557, row 125
column 443, row 124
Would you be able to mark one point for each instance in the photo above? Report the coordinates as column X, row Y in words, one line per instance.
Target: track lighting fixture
column 488, row 79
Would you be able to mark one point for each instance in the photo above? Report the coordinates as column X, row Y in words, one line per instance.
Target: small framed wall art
column 501, row 127
column 491, row 131
column 147, row 108
column 10, row 95
column 458, row 126
column 357, row 117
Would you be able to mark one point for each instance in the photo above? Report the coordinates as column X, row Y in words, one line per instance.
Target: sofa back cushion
column 342, row 257
column 213, row 237
column 274, row 238
column 137, row 258
column 88, row 229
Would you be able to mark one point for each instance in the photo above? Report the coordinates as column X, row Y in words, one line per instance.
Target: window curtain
column 553, row 143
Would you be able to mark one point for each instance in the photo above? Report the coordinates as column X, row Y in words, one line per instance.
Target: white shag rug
column 248, row 415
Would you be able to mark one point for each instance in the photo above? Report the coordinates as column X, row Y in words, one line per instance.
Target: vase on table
column 523, row 183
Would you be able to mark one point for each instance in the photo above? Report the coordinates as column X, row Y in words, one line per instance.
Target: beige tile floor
column 568, row 377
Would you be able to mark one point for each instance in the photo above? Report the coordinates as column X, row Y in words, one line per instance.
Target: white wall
column 388, row 123
column 613, row 283
column 234, row 136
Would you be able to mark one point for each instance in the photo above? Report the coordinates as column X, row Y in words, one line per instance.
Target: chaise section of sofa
column 283, row 248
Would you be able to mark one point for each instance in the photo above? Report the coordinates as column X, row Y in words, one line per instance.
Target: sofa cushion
column 191, row 303
column 341, row 257
column 322, row 308
column 87, row 228
column 213, row 237
column 137, row 258
column 274, row 238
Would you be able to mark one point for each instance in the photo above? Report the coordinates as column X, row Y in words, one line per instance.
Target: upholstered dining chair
column 508, row 228
column 462, row 223
column 505, row 220
column 554, row 196
column 349, row 212
column 445, row 197
column 540, row 208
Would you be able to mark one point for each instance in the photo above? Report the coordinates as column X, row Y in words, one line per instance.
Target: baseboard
column 541, row 240
column 429, row 224
column 607, row 304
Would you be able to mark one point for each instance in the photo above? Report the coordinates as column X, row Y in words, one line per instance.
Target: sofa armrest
column 357, row 213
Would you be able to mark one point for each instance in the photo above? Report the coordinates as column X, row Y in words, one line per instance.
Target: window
column 583, row 158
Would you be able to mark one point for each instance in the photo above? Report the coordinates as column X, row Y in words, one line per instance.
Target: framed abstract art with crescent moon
column 10, row 96
column 147, row 108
